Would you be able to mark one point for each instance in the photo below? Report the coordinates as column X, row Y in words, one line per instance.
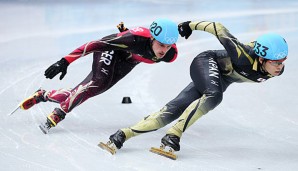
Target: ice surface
column 254, row 128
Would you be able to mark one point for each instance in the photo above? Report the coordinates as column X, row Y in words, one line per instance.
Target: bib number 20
column 155, row 29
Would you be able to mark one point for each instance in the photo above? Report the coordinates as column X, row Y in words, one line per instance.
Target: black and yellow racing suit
column 211, row 73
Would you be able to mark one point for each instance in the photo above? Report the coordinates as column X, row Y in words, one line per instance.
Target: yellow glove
column 121, row 27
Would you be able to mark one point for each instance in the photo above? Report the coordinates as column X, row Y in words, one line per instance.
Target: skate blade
column 107, row 148
column 43, row 129
column 164, row 153
column 18, row 107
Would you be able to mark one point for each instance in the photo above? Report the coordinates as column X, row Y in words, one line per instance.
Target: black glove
column 56, row 68
column 121, row 27
column 184, row 29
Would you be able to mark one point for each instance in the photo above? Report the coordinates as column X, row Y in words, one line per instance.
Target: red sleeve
column 82, row 51
column 111, row 42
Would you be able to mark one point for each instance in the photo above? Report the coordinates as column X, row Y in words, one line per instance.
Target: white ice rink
column 254, row 128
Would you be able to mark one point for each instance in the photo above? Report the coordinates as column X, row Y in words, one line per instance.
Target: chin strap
column 262, row 66
column 151, row 44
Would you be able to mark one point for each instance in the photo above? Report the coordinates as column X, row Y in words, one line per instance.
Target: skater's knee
column 169, row 113
column 216, row 95
column 161, row 118
column 211, row 99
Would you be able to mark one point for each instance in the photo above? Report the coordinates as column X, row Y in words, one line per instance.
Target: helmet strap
column 151, row 40
column 262, row 66
column 151, row 44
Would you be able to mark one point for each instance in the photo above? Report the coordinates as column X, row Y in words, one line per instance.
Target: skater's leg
column 59, row 95
column 104, row 75
column 157, row 120
column 95, row 83
column 208, row 81
column 98, row 81
column 166, row 115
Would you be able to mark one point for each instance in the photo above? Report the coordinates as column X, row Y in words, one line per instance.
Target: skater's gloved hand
column 121, row 27
column 184, row 29
column 56, row 68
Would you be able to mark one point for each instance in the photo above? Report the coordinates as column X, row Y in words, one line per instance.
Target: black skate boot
column 38, row 96
column 52, row 120
column 169, row 144
column 118, row 138
column 171, row 141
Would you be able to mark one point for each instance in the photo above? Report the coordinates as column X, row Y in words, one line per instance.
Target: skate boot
column 118, row 138
column 169, row 144
column 38, row 96
column 171, row 141
column 52, row 120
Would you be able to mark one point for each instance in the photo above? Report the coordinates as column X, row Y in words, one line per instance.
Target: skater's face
column 160, row 49
column 273, row 67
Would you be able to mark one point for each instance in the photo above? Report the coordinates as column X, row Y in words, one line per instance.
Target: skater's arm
column 236, row 50
column 81, row 51
column 215, row 28
column 90, row 46
column 100, row 45
column 93, row 46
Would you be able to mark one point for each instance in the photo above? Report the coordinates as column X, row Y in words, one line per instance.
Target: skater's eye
column 277, row 62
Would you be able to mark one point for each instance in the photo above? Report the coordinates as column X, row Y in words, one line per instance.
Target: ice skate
column 36, row 98
column 169, row 144
column 116, row 142
column 26, row 104
column 45, row 127
column 52, row 120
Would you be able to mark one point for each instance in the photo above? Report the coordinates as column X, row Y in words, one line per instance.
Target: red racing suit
column 114, row 56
